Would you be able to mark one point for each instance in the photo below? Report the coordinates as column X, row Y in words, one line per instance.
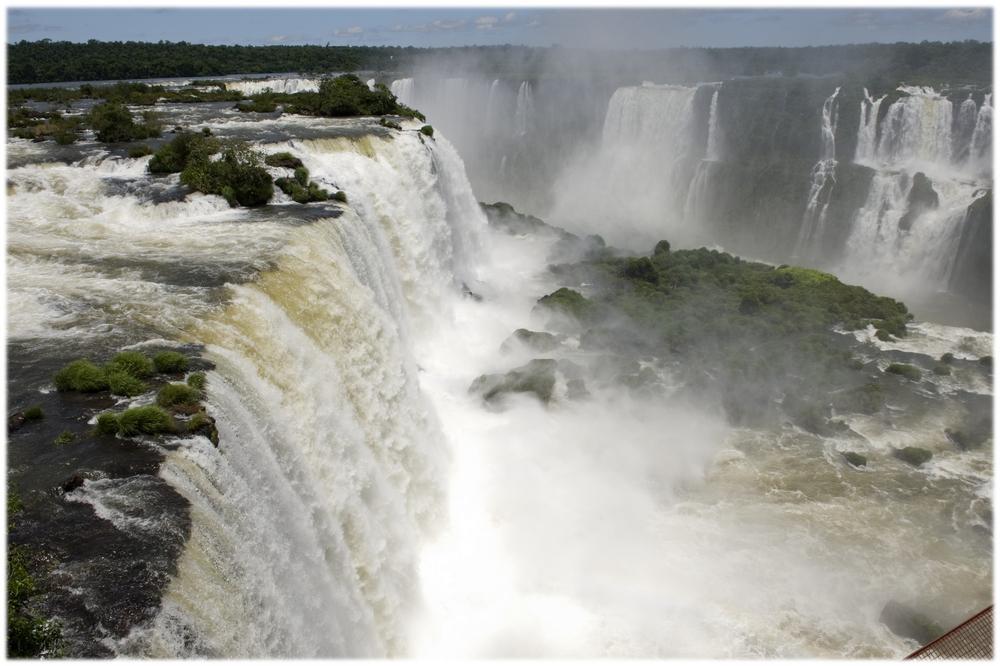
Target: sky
column 578, row 26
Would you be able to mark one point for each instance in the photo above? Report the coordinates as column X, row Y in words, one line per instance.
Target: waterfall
column 641, row 172
column 712, row 152
column 906, row 235
column 811, row 228
column 289, row 85
column 868, row 129
column 981, row 149
column 403, row 90
column 307, row 521
column 523, row 116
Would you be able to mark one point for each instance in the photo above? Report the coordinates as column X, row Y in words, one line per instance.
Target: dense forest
column 928, row 63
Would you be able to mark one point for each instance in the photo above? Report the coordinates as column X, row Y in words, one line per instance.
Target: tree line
column 928, row 63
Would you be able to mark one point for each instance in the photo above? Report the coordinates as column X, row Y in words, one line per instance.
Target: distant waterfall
column 819, row 194
column 525, row 112
column 868, row 129
column 909, row 229
column 712, row 151
column 289, row 85
column 403, row 90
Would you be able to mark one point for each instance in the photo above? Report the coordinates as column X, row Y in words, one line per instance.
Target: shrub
column 883, row 335
column 302, row 176
column 239, row 175
column 170, row 361
column 33, row 413
column 865, row 399
column 286, row 160
column 64, row 438
column 28, row 635
column 177, row 394
column 641, row 269
column 316, row 194
column 663, row 247
column 427, row 130
column 81, row 376
column 186, row 148
column 947, row 357
column 133, row 363
column 905, row 370
column 942, row 370
column 340, row 196
column 112, row 123
column 140, row 151
column 987, row 361
column 196, row 381
column 107, row 424
column 122, row 383
column 149, row 420
column 196, row 421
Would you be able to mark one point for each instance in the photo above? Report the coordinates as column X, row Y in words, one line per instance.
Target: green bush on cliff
column 238, row 175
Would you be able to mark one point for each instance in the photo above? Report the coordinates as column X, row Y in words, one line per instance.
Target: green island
column 766, row 343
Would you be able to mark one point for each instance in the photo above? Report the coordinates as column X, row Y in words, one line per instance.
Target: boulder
column 855, row 459
column 908, row 623
column 537, row 341
column 913, row 455
column 538, row 376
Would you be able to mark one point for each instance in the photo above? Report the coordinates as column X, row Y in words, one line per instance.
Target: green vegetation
column 196, row 380
column 140, row 151
column 880, row 65
column 149, row 420
column 427, row 130
column 132, row 363
column 34, row 413
column 285, row 160
column 987, row 361
column 345, row 96
column 942, row 369
column 239, row 175
column 64, row 438
column 177, row 394
column 300, row 189
column 29, row 634
column 902, row 369
column 81, row 376
column 113, row 123
column 170, row 361
column 340, row 196
column 537, row 377
column 122, row 383
column 865, row 399
column 947, row 357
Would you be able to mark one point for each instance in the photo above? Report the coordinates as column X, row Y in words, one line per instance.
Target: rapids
column 362, row 504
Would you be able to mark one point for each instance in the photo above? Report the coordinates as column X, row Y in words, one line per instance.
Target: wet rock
column 913, row 455
column 15, row 421
column 908, row 623
column 855, row 459
column 576, row 389
column 538, row 341
column 72, row 484
column 537, row 376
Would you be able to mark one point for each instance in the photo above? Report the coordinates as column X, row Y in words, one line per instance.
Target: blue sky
column 572, row 26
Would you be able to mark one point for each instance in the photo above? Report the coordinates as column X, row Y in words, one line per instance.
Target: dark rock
column 913, row 455
column 72, row 484
column 537, row 376
column 908, row 623
column 855, row 459
column 540, row 342
column 15, row 421
column 922, row 198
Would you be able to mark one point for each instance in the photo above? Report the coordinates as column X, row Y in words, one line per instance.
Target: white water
column 289, row 85
column 639, row 176
column 815, row 215
column 363, row 504
column 915, row 136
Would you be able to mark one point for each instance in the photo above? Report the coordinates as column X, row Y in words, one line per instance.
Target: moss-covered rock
column 537, row 341
column 913, row 455
column 855, row 459
column 537, row 376
column 904, row 370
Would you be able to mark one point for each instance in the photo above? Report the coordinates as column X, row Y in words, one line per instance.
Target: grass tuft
column 170, row 361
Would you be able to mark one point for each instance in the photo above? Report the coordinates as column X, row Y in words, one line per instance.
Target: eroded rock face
column 908, row 623
column 538, row 376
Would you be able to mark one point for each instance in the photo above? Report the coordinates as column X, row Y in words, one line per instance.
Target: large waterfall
column 361, row 503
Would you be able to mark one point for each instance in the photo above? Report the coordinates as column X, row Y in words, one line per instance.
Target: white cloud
column 963, row 15
column 350, row 32
column 434, row 26
column 510, row 17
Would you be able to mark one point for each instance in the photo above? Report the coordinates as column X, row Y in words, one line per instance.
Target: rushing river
column 361, row 503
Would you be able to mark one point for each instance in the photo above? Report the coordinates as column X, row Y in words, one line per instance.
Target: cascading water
column 403, row 90
column 362, row 503
column 815, row 215
column 524, row 114
column 906, row 236
column 289, row 85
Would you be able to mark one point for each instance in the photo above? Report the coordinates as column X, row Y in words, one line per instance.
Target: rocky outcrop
column 908, row 623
